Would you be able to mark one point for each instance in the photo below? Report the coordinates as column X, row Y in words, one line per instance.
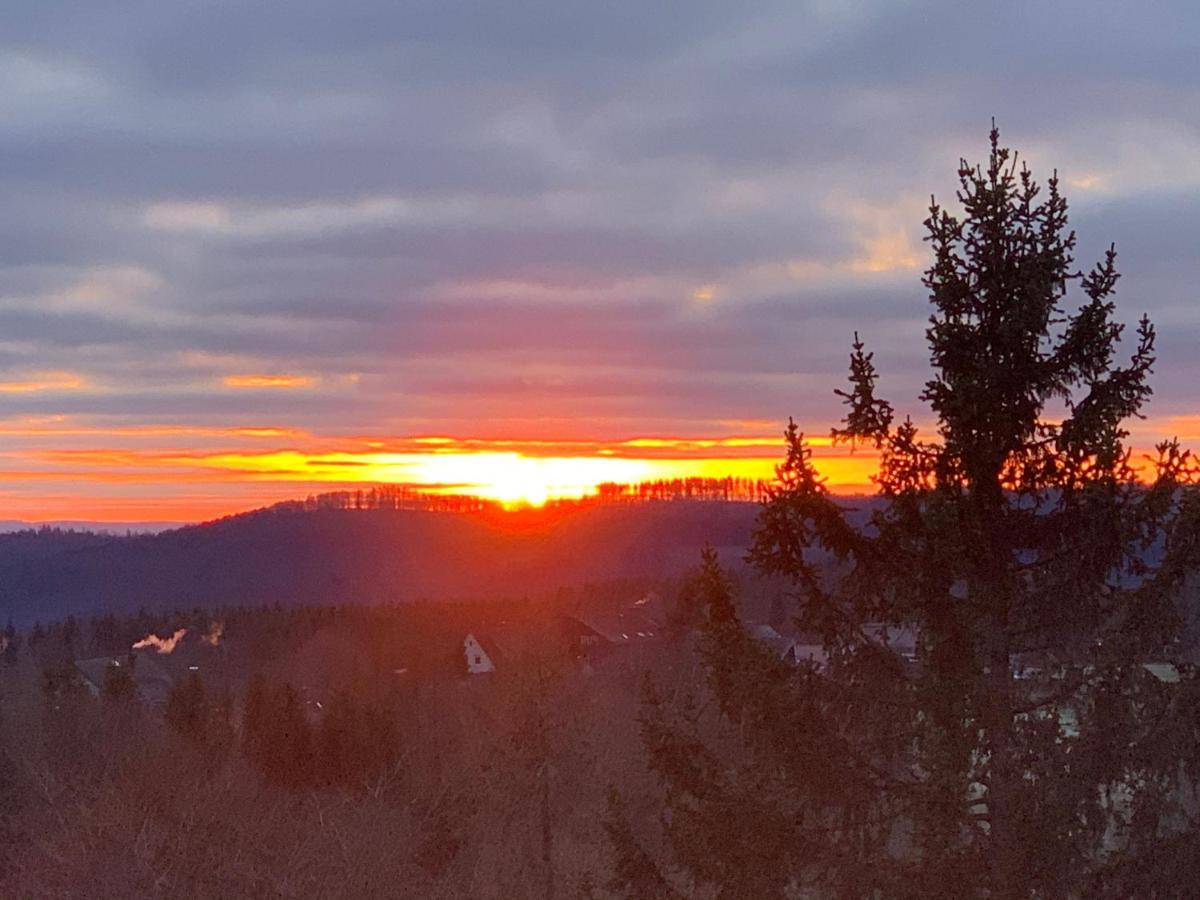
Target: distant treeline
column 724, row 489
column 403, row 497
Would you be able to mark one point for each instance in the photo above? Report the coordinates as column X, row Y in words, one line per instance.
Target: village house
column 796, row 647
column 152, row 682
column 791, row 647
column 478, row 658
column 595, row 633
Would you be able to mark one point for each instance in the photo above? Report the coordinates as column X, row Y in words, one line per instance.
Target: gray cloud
column 608, row 211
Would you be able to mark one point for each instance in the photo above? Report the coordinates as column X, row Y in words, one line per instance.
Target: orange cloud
column 268, row 381
column 43, row 381
column 887, row 252
column 62, row 426
column 1185, row 427
column 730, row 443
column 268, row 432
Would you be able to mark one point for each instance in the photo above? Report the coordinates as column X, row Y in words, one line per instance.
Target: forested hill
column 305, row 555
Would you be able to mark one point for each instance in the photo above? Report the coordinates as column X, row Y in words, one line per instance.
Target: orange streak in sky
column 47, row 381
column 49, row 427
column 134, row 477
column 268, row 381
column 534, row 473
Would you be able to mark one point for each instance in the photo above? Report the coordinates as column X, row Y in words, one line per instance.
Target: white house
column 791, row 649
column 479, row 661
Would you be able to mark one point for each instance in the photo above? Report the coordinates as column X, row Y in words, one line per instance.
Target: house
column 653, row 606
column 603, row 629
column 791, row 648
column 806, row 651
column 1166, row 672
column 580, row 639
column 902, row 639
column 798, row 647
column 151, row 680
column 478, row 658
column 769, row 635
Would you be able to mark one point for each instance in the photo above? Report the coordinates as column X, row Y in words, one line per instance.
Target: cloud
column 551, row 220
column 109, row 289
column 255, row 382
column 43, row 381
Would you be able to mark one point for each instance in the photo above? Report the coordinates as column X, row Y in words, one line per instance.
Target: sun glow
column 515, row 479
column 199, row 471
column 510, row 477
column 143, row 472
column 510, row 472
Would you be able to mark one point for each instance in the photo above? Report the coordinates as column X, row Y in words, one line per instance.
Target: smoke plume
column 161, row 645
column 213, row 637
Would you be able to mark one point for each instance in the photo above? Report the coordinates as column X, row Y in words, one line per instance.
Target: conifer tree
column 10, row 799
column 277, row 738
column 119, row 686
column 1036, row 747
column 187, row 708
column 10, row 643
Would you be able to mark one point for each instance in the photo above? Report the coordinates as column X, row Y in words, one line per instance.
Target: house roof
column 491, row 644
column 793, row 645
column 95, row 670
column 153, row 682
column 900, row 638
column 619, row 626
column 764, row 632
column 653, row 606
column 1164, row 671
column 768, row 635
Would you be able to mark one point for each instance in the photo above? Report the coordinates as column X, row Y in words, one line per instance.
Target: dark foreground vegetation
column 980, row 685
column 337, row 751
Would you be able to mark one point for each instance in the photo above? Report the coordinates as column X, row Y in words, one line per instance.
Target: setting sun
column 511, row 472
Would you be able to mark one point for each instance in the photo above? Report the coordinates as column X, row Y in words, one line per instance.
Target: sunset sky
column 249, row 251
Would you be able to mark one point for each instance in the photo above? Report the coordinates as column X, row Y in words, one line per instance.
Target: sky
column 253, row 250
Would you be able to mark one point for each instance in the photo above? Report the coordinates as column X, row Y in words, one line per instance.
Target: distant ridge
column 405, row 497
column 8, row 526
column 380, row 545
column 294, row 554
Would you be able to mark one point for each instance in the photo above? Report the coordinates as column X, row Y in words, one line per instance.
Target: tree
column 187, row 708
column 744, row 778
column 1030, row 750
column 536, row 747
column 543, row 748
column 70, row 631
column 277, row 738
column 119, row 686
column 635, row 874
column 10, row 800
column 10, row 644
column 355, row 743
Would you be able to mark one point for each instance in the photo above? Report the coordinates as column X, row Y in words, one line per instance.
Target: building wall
column 478, row 662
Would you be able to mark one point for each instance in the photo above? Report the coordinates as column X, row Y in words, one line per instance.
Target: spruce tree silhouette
column 1030, row 750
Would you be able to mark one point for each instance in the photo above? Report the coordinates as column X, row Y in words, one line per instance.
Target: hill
column 292, row 554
